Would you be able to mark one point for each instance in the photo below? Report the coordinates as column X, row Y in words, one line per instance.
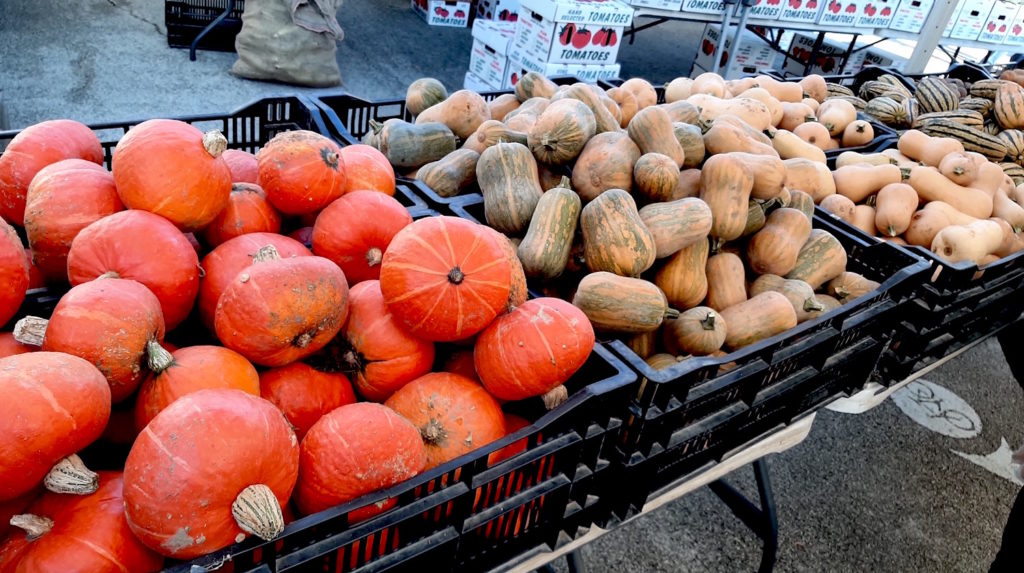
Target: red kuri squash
column 533, row 349
column 144, row 247
column 355, row 450
column 35, row 277
column 170, row 168
column 9, row 509
column 189, row 370
column 13, row 272
column 109, row 322
column 461, row 362
column 445, row 279
column 305, row 394
column 78, row 533
column 9, row 346
column 367, row 169
column 242, row 164
column 301, row 171
column 281, row 310
column 355, row 231
column 248, row 211
column 513, row 424
column 303, row 235
column 33, row 438
column 34, row 148
column 453, row 414
column 63, row 199
column 224, row 263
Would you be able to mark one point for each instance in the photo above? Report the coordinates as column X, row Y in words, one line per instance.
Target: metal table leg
column 762, row 521
column 206, row 30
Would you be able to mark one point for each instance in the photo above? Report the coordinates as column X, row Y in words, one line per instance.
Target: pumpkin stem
column 841, row 292
column 671, row 313
column 214, row 142
column 891, row 231
column 376, row 126
column 257, row 512
column 905, row 173
column 109, row 275
column 871, row 201
column 303, row 339
column 565, row 183
column 30, row 330
column 709, row 321
column 265, row 254
column 434, row 433
column 812, row 305
column 555, row 397
column 330, row 157
column 374, row 257
column 35, row 526
column 456, row 276
column 158, row 357
column 71, row 476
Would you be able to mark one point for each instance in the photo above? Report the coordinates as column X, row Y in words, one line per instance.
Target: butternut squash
column 726, row 281
column 835, row 114
column 738, row 86
column 621, row 304
column 724, row 137
column 614, row 237
column 858, row 182
column 898, row 158
column 651, row 129
column 782, row 91
column 642, row 89
column 544, row 251
column 929, row 150
column 451, row 174
column 561, row 131
column 627, row 105
column 864, row 219
column 663, row 360
column 424, row 93
column 828, row 304
column 533, row 85
column 677, row 89
column 753, row 112
column 698, row 332
column 801, row 202
column 760, row 317
column 708, row 83
column 726, row 183
column 840, row 206
column 989, row 178
column 676, row 224
column 681, row 112
column 500, row 106
column 858, row 133
column 794, row 115
column 811, row 177
column 523, row 117
column 490, row 132
column 811, row 103
column 603, row 118
column 606, row 162
column 849, row 286
column 774, row 249
column 550, row 176
column 655, row 177
column 799, row 294
column 970, row 242
column 692, row 141
column 814, row 86
column 1004, row 208
column 789, row 146
column 774, row 106
column 931, row 219
column 409, row 146
column 758, row 136
column 769, row 174
column 852, row 157
column 895, row 205
column 932, row 186
column 462, row 112
column 688, row 184
column 644, row 344
column 683, row 276
column 959, row 168
column 821, row 259
column 814, row 133
column 507, row 175
column 755, row 218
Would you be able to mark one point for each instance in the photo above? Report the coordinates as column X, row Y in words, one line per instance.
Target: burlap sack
column 291, row 41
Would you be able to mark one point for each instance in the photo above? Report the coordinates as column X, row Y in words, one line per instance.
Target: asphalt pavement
column 874, row 492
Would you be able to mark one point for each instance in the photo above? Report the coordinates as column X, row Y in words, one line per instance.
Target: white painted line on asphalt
column 999, row 462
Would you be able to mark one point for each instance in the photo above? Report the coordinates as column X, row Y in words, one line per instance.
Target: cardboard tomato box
column 801, row 10
column 570, row 31
column 672, row 5
column 488, row 60
column 877, row 13
column 1000, row 18
column 971, row 19
column 586, row 73
column 829, row 56
column 842, row 13
column 752, row 56
column 703, row 6
column 451, row 13
column 911, row 14
column 500, row 10
column 766, row 9
column 1015, row 35
column 473, row 83
column 952, row 21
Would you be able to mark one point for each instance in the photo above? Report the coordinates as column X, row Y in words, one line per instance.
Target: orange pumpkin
column 170, row 168
column 35, row 276
column 367, row 169
column 445, row 279
column 355, row 231
column 36, row 147
column 164, row 261
column 513, row 424
column 458, row 362
column 189, row 370
column 242, row 164
column 35, row 386
column 9, row 346
column 302, row 172
column 13, row 272
column 379, row 355
column 247, row 211
column 281, row 310
column 303, row 235
column 9, row 509
column 355, row 450
column 304, row 394
column 209, row 469
column 63, row 199
column 224, row 263
column 533, row 349
column 454, row 415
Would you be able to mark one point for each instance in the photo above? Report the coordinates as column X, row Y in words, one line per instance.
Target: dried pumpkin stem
column 31, row 330
column 35, row 526
column 671, row 313
column 71, row 476
column 433, row 432
column 555, row 397
column 456, row 276
column 158, row 358
column 709, row 321
column 214, row 142
column 812, row 305
column 257, row 512
column 266, row 254
column 374, row 257
column 565, row 183
column 109, row 275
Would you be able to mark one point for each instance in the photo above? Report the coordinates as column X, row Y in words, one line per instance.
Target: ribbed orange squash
column 304, row 393
column 367, row 169
column 242, row 164
column 170, row 168
column 13, row 272
column 9, row 346
column 355, row 231
column 247, row 211
column 301, row 171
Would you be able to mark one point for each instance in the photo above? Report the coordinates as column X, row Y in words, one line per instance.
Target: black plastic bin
column 185, row 19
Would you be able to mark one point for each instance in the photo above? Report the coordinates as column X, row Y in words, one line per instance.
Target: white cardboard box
column 673, row 5
column 999, row 21
column 971, row 19
column 586, row 73
column 911, row 14
column 1015, row 35
column 879, row 57
column 500, row 10
column 488, row 60
column 703, row 6
column 952, row 21
column 877, row 13
column 842, row 13
column 474, row 83
column 805, row 11
column 830, row 55
column 452, row 13
column 570, row 31
column 753, row 53
column 766, row 9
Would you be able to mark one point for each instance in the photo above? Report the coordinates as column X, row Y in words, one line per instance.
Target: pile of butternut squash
column 683, row 228
column 931, row 192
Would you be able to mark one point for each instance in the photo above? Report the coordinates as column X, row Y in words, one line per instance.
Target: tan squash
column 691, row 140
column 970, row 242
column 933, row 217
column 681, row 112
column 959, row 167
column 523, row 117
column 561, row 131
column 726, row 183
column 462, row 112
column 821, row 259
column 769, row 174
column 799, row 294
column 840, row 206
column 507, row 175
column 774, row 249
column 858, row 182
column 895, row 205
column 676, row 224
column 932, row 186
column 858, row 133
column 683, row 276
column 500, row 106
column 751, row 111
column 814, row 87
column 726, row 281
column 929, row 150
column 782, row 91
column 698, row 331
column 627, row 105
column 621, row 304
column 760, row 317
column 1007, row 210
column 655, row 177
column 451, row 174
column 603, row 118
column 677, row 89
column 849, row 286
column 789, row 146
column 794, row 115
column 828, row 304
column 814, row 133
column 606, row 162
column 614, row 237
column 651, row 129
column 533, row 85
column 775, row 107
column 644, row 92
column 724, row 137
column 836, row 114
column 811, row 177
column 708, row 83
column 544, row 251
column 852, row 158
column 864, row 219
column 490, row 132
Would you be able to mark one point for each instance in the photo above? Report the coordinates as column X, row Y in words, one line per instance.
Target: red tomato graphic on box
column 581, row 39
column 566, row 34
column 460, row 14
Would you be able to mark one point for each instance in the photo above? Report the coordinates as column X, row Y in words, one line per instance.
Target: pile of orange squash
column 302, row 378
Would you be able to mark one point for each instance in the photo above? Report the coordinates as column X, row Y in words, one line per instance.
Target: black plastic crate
column 185, row 19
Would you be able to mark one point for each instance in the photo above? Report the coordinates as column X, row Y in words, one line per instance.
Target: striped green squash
column 895, row 82
column 991, row 127
column 973, row 139
column 934, row 95
column 887, row 111
column 854, row 100
column 1009, row 106
column 871, row 90
column 838, row 90
column 986, row 88
column 978, row 104
column 962, row 116
column 1015, row 171
column 1014, row 141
